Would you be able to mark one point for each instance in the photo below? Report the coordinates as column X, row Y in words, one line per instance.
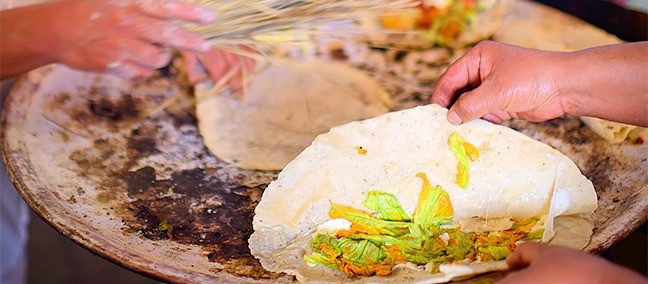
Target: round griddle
column 120, row 167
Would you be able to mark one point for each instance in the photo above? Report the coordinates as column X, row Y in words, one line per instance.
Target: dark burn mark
column 140, row 145
column 182, row 117
column 202, row 210
column 124, row 109
column 597, row 169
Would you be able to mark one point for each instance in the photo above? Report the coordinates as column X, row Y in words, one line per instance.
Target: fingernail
column 454, row 118
column 206, row 16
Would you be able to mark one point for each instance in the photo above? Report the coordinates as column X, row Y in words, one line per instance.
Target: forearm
column 609, row 82
column 26, row 43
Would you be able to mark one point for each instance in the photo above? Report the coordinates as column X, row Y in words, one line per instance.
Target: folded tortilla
column 614, row 132
column 514, row 178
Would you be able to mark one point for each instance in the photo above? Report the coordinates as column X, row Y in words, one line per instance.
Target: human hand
column 219, row 66
column 498, row 82
column 542, row 263
column 122, row 37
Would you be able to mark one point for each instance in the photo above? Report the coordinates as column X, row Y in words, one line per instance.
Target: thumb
column 195, row 71
column 474, row 104
column 524, row 254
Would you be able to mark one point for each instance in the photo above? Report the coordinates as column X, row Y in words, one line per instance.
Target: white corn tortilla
column 515, row 177
column 284, row 108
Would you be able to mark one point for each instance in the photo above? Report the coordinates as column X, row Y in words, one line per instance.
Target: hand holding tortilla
column 126, row 38
column 403, row 207
column 506, row 82
column 555, row 264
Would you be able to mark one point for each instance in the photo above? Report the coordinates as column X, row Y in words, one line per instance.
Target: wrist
column 569, row 83
column 26, row 40
column 607, row 82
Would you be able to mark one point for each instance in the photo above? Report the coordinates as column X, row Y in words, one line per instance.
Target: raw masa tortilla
column 515, row 177
column 283, row 109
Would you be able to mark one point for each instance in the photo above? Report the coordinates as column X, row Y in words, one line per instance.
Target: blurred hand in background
column 126, row 38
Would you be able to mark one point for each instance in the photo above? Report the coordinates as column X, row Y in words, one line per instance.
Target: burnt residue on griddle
column 123, row 109
column 597, row 171
column 94, row 109
column 202, row 211
column 201, row 207
column 247, row 267
column 142, row 143
column 566, row 129
column 577, row 133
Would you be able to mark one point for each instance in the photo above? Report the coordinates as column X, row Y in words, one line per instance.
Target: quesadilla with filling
column 408, row 196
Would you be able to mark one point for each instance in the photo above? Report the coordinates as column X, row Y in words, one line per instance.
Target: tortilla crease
column 283, row 109
column 514, row 178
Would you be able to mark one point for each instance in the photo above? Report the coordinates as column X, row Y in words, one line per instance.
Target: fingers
column 166, row 33
column 216, row 63
column 497, row 116
column 477, row 103
column 195, row 71
column 234, row 62
column 219, row 63
column 136, row 59
column 492, row 118
column 524, row 254
column 177, row 10
column 128, row 70
column 144, row 54
column 522, row 257
column 461, row 74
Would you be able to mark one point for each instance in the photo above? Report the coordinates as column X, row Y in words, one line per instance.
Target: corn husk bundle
column 263, row 22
